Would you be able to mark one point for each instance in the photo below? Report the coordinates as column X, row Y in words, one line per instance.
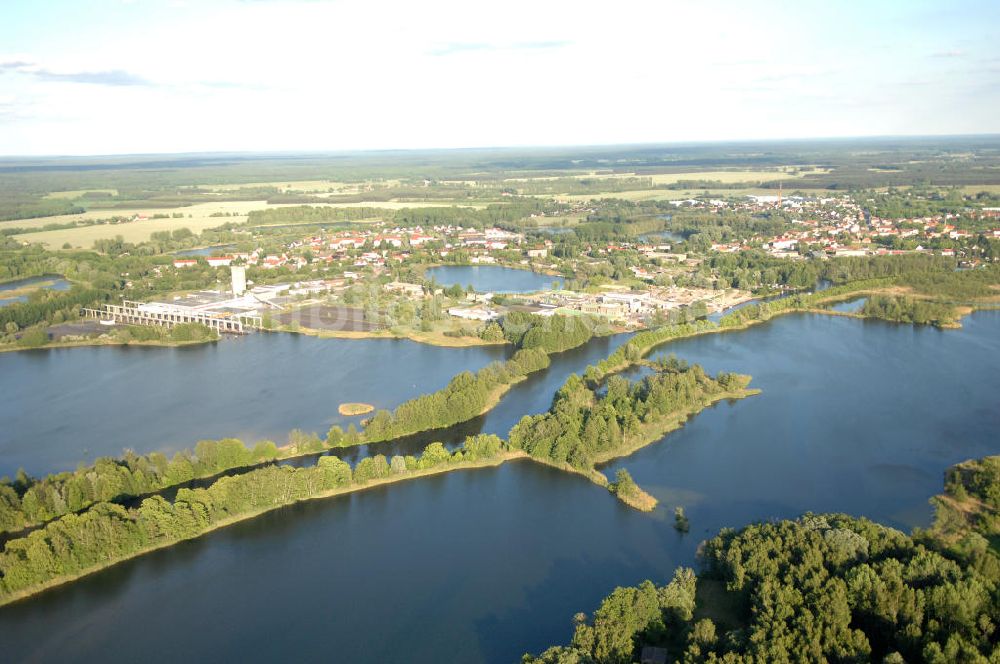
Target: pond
column 492, row 278
column 17, row 291
column 206, row 251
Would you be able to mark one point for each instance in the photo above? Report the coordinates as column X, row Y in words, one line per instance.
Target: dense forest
column 553, row 334
column 819, row 588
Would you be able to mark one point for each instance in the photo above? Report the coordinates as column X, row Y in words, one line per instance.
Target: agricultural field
column 308, row 186
column 735, row 176
column 79, row 193
column 664, row 194
column 196, row 218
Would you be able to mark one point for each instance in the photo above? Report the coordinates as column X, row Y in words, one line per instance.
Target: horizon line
column 551, row 146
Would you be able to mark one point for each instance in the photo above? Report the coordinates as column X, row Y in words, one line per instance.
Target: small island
column 354, row 408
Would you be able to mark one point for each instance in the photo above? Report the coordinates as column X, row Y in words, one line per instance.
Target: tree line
column 44, row 306
column 107, row 532
column 762, row 311
column 640, row 344
column 909, row 310
column 26, row 502
column 465, row 397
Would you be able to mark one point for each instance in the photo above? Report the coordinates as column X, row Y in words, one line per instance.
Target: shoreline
column 55, row 345
column 654, row 431
column 428, row 338
column 647, row 435
column 496, row 461
column 548, row 272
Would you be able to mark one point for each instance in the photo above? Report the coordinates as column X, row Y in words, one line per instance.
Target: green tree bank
column 27, row 502
column 910, row 310
column 466, row 396
column 584, row 428
column 820, row 588
column 78, row 544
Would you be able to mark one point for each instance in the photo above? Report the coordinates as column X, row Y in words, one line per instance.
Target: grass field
column 729, row 177
column 196, row 218
column 546, row 222
column 285, row 185
column 664, row 195
column 399, row 205
column 77, row 193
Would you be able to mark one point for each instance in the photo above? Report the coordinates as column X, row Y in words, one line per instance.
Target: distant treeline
column 21, row 206
column 924, row 274
column 310, row 214
column 765, row 310
column 492, row 214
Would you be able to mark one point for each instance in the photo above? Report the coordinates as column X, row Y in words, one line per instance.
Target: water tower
column 239, row 279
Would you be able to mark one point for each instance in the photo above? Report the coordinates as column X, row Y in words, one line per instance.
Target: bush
column 33, row 338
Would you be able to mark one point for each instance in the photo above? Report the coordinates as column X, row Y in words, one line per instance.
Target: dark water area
column 64, row 406
column 58, row 284
column 205, row 251
column 821, row 285
column 531, row 396
column 483, row 565
column 852, row 306
column 855, row 416
column 492, row 278
column 551, row 230
column 662, row 236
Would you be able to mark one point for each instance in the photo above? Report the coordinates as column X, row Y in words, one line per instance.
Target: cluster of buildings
column 840, row 227
column 617, row 304
column 238, row 310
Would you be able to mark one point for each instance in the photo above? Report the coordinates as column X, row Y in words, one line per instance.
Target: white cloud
column 266, row 74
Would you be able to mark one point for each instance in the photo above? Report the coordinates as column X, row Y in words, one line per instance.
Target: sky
column 145, row 76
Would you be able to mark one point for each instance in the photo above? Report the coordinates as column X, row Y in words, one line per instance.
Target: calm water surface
column 205, row 251
column 850, row 306
column 63, row 406
column 57, row 284
column 480, row 566
column 492, row 278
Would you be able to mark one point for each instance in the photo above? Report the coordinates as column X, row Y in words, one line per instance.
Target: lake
column 480, row 566
column 205, row 251
column 57, row 284
column 492, row 278
column 63, row 406
column 852, row 306
column 661, row 236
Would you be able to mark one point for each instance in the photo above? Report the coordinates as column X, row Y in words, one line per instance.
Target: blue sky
column 129, row 76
